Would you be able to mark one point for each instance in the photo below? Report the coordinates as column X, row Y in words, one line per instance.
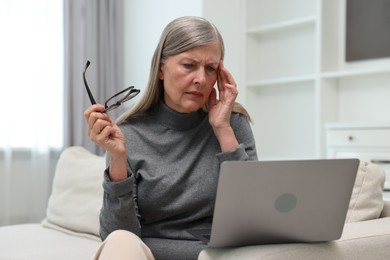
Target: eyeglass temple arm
column 93, row 102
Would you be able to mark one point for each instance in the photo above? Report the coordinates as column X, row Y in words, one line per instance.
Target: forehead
column 209, row 52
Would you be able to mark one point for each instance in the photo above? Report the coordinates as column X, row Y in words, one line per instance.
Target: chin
column 192, row 108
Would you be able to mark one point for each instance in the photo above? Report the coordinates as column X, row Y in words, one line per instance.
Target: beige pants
column 122, row 244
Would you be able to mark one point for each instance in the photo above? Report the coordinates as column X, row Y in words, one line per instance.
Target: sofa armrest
column 386, row 210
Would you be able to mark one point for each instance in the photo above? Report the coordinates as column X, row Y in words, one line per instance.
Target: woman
column 164, row 154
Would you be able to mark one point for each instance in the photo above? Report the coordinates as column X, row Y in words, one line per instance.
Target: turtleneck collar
column 175, row 120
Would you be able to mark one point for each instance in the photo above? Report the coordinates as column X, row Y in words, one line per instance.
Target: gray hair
column 179, row 35
column 186, row 33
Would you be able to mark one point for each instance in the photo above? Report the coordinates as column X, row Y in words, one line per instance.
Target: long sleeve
column 246, row 150
column 119, row 210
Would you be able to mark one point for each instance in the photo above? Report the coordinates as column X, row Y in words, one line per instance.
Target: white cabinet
column 289, row 61
column 369, row 142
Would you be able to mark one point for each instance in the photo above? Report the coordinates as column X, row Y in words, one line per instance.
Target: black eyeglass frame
column 132, row 92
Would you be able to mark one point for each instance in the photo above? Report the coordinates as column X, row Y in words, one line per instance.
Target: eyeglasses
column 114, row 101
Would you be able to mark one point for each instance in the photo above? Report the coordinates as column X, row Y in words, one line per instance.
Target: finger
column 99, row 126
column 229, row 84
column 220, row 84
column 96, row 121
column 100, row 139
column 104, row 135
column 213, row 98
column 220, row 77
column 228, row 77
column 91, row 109
column 231, row 90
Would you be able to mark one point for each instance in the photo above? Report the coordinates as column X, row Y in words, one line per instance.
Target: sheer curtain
column 93, row 31
column 44, row 47
column 31, row 83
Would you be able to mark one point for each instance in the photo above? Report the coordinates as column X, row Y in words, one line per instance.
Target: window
column 31, row 66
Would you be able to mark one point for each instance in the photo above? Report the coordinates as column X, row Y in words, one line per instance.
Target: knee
column 122, row 244
column 122, row 235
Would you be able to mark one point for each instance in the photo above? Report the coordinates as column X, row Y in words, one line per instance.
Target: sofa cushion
column 360, row 240
column 32, row 241
column 77, row 193
column 366, row 200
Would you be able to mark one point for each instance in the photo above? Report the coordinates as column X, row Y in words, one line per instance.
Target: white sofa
column 70, row 229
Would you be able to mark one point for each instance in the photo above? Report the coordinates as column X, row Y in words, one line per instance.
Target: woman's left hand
column 221, row 109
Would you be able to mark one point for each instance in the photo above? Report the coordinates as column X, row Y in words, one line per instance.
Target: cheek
column 208, row 91
column 212, row 82
column 168, row 91
column 213, row 78
column 171, row 92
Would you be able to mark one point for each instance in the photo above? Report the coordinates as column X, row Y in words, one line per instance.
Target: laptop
column 270, row 202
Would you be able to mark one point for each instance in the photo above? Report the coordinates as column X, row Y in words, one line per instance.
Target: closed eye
column 210, row 68
column 188, row 65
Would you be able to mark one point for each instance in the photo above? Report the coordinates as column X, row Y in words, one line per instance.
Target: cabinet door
column 382, row 159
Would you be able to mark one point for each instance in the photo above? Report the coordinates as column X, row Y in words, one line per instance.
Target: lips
column 194, row 94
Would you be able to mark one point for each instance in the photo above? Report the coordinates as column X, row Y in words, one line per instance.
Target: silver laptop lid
column 262, row 202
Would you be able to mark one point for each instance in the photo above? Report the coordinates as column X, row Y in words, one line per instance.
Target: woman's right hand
column 103, row 131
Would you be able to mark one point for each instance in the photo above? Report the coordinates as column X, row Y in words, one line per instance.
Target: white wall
column 225, row 14
column 144, row 22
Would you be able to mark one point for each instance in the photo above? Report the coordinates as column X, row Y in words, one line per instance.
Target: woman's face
column 189, row 77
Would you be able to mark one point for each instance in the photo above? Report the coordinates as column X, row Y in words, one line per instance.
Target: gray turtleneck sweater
column 173, row 166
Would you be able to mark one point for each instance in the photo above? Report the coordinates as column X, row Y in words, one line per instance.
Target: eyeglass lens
column 121, row 97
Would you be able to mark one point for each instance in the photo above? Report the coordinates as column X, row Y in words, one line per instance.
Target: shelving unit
column 280, row 76
column 293, row 77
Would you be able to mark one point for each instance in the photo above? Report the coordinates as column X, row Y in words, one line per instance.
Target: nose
column 200, row 77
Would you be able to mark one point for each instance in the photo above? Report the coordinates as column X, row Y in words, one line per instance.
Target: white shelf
column 284, row 25
column 280, row 81
column 354, row 73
